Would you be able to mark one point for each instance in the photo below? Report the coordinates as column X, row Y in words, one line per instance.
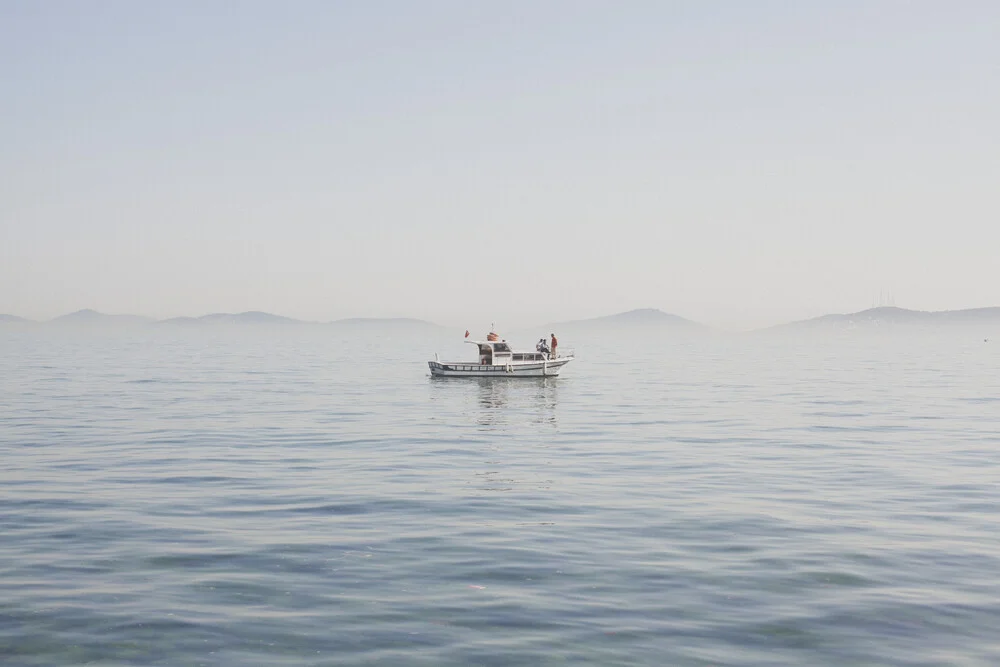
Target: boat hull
column 548, row 368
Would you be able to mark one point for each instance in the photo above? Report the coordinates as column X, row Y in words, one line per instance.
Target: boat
column 497, row 359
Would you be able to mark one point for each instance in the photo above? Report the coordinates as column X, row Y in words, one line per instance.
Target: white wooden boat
column 497, row 359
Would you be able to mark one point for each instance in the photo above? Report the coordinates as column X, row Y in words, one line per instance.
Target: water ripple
column 245, row 499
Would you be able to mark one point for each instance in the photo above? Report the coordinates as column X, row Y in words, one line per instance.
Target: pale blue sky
column 738, row 163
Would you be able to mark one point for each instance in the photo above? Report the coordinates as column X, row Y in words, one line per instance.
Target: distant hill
column 92, row 318
column 893, row 316
column 253, row 317
column 180, row 321
column 384, row 324
column 249, row 317
column 642, row 317
column 14, row 320
column 257, row 318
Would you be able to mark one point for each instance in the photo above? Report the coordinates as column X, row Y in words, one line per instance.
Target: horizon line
column 654, row 312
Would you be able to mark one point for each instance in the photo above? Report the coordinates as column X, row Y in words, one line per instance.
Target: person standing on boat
column 554, row 344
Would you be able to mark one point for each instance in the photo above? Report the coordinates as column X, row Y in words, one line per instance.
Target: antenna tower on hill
column 885, row 299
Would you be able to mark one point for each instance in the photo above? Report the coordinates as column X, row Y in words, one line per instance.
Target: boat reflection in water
column 509, row 402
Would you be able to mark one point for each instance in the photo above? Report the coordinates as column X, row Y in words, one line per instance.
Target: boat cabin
column 498, row 353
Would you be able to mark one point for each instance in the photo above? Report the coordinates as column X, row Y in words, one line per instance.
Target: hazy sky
column 739, row 163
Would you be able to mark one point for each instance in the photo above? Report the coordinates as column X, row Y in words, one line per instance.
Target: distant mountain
column 180, row 321
column 249, row 317
column 892, row 316
column 642, row 317
column 92, row 318
column 384, row 323
column 257, row 318
column 253, row 317
column 14, row 320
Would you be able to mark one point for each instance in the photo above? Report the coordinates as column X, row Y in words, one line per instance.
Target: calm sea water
column 231, row 498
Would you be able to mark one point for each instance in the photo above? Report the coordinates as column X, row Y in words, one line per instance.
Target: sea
column 306, row 496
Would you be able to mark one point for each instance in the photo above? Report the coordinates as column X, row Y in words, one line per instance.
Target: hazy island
column 893, row 317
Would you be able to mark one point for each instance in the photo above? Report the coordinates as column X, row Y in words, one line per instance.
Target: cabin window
column 501, row 347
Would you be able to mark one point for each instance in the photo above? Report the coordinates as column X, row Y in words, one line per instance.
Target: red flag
column 466, row 333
